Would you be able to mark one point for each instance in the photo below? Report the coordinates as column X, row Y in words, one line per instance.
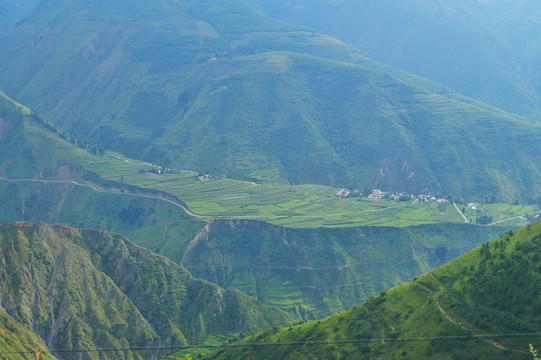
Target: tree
column 534, row 352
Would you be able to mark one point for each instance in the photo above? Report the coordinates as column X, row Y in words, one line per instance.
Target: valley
column 310, row 268
column 260, row 179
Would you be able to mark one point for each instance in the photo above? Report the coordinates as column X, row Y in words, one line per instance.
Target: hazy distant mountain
column 491, row 290
column 12, row 11
column 521, row 21
column 5, row 22
column 459, row 43
column 225, row 90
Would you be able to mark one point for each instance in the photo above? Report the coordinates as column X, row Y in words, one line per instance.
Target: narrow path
column 513, row 218
column 460, row 212
column 462, row 324
column 107, row 192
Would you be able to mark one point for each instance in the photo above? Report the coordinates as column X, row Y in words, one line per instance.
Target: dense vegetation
column 224, row 90
column 491, row 290
column 91, row 289
column 220, row 88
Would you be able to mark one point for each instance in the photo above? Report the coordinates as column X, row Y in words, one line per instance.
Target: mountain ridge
column 474, row 300
column 475, row 47
column 161, row 227
column 93, row 289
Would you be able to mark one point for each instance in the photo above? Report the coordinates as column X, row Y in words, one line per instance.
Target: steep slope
column 81, row 290
column 491, row 290
column 461, row 44
column 224, row 90
column 18, row 342
column 32, row 148
column 318, row 272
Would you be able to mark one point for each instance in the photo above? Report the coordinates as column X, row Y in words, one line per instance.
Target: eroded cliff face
column 317, row 272
column 86, row 289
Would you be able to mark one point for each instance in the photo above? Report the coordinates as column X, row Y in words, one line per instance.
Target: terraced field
column 302, row 206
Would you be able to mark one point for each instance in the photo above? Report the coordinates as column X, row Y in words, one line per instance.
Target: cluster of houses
column 425, row 198
column 343, row 193
column 474, row 206
column 377, row 194
column 155, row 171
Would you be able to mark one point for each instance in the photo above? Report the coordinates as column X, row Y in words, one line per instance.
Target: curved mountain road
column 72, row 182
column 463, row 324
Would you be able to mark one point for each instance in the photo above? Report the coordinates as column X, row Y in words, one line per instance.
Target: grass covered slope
column 493, row 289
column 34, row 147
column 319, row 272
column 12, row 11
column 224, row 90
column 92, row 289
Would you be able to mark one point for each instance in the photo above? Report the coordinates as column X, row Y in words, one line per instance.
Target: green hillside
column 482, row 49
column 311, row 272
column 227, row 91
column 55, row 188
column 87, row 289
column 520, row 21
column 319, row 272
column 491, row 290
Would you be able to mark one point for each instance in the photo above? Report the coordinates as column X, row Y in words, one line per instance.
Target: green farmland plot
column 299, row 206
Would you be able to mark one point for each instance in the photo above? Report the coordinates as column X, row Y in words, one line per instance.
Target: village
column 377, row 194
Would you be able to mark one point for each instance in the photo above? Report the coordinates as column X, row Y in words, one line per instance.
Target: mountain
column 465, row 45
column 522, row 21
column 34, row 149
column 455, row 311
column 88, row 289
column 5, row 23
column 12, row 11
column 224, row 90
column 319, row 271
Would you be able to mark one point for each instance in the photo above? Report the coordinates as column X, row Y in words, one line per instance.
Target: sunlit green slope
column 492, row 290
column 318, row 272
